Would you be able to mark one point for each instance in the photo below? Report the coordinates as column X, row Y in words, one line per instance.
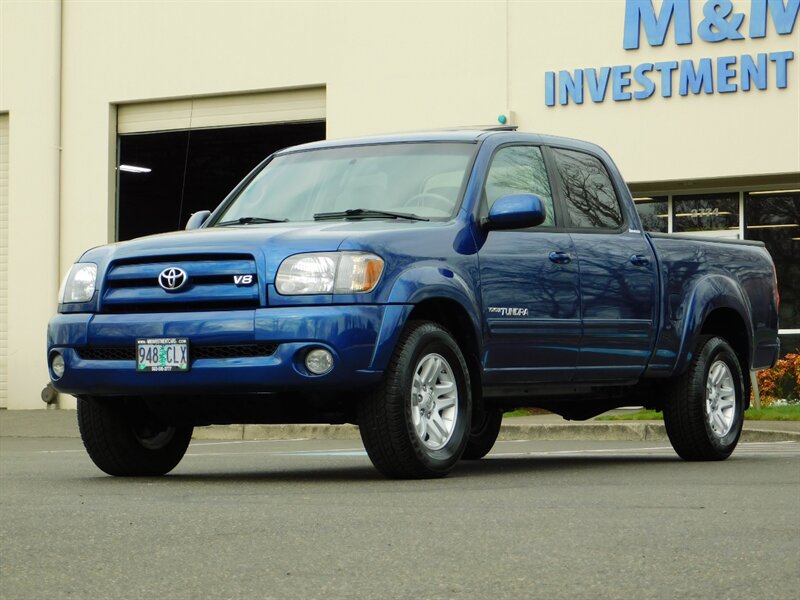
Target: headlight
column 329, row 272
column 78, row 285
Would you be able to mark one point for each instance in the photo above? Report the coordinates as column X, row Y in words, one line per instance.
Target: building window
column 773, row 217
column 654, row 213
column 706, row 212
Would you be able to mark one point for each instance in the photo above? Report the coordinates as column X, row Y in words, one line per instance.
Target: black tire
column 483, row 434
column 124, row 441
column 705, row 423
column 400, row 444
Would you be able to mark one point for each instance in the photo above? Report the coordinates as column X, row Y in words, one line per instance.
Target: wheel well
column 728, row 324
column 454, row 317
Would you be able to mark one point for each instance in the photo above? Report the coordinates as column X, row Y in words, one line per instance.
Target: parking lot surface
column 313, row 519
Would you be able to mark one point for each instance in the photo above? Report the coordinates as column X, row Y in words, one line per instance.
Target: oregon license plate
column 162, row 354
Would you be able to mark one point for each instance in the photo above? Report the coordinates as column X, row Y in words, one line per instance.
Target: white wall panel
column 223, row 111
column 4, row 261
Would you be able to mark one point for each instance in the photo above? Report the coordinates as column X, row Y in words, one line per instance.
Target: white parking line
column 747, row 448
column 354, row 452
column 585, row 451
column 227, row 443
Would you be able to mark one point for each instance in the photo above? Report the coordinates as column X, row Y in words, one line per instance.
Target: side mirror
column 197, row 219
column 516, row 211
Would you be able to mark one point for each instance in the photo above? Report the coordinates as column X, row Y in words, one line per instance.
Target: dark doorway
column 164, row 177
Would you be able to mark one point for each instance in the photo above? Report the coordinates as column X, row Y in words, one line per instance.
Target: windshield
column 404, row 179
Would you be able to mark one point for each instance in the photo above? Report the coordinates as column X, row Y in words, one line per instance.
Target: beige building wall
column 385, row 66
column 30, row 49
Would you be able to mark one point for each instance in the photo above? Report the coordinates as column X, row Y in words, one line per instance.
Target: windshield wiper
column 366, row 213
column 248, row 221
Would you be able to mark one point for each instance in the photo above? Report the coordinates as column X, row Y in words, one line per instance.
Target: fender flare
column 411, row 288
column 711, row 293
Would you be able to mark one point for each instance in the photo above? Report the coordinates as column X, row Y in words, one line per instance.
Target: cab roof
column 474, row 136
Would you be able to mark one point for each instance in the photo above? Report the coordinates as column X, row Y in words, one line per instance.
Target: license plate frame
column 162, row 355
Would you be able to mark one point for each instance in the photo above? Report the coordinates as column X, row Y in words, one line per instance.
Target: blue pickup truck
column 418, row 286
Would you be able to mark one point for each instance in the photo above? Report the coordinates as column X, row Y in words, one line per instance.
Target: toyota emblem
column 172, row 279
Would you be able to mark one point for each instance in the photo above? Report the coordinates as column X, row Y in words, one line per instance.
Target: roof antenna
column 185, row 164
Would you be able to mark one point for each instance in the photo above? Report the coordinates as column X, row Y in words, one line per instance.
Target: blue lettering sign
column 784, row 16
column 568, row 86
column 716, row 27
column 720, row 23
column 597, row 85
column 696, row 79
column 725, row 73
column 780, row 59
column 640, row 13
column 550, row 88
column 752, row 72
column 666, row 68
column 620, row 81
column 640, row 75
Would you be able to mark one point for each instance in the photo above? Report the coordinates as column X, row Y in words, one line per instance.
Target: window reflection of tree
column 649, row 212
column 780, row 209
column 773, row 210
column 591, row 200
column 558, row 299
column 519, row 170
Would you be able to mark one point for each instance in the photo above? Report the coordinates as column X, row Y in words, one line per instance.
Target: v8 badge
column 241, row 280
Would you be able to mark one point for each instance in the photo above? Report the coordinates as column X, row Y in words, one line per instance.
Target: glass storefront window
column 773, row 217
column 706, row 212
column 790, row 344
column 654, row 213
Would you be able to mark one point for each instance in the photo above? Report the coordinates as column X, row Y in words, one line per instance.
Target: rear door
column 617, row 271
column 529, row 280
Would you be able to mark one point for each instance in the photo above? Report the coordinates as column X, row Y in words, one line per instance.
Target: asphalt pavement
column 312, row 519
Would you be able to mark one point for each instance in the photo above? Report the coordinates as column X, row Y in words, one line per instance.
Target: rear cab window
column 589, row 196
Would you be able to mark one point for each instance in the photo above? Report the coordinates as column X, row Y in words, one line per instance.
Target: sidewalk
column 63, row 424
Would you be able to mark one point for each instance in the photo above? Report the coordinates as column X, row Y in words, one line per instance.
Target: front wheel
column 123, row 439
column 704, row 412
column 416, row 424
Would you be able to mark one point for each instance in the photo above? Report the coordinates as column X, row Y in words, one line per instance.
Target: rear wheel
column 483, row 434
column 416, row 424
column 124, row 440
column 704, row 412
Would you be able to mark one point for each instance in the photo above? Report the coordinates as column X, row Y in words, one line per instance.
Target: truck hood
column 271, row 243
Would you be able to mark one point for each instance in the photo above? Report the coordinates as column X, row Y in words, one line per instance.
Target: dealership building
column 120, row 118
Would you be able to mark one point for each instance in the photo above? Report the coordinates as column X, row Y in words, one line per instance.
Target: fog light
column 319, row 361
column 57, row 365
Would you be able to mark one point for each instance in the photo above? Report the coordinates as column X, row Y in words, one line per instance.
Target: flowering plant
column 781, row 382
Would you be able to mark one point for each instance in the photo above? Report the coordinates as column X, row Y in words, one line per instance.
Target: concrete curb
column 63, row 424
column 633, row 432
column 276, row 432
column 628, row 431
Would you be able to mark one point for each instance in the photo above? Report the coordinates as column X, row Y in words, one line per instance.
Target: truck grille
column 211, row 282
column 195, row 352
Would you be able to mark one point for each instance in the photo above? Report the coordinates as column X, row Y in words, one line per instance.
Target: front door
column 529, row 281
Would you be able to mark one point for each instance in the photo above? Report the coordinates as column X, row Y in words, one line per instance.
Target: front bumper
column 361, row 339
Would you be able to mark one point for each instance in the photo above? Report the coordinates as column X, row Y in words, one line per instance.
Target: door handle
column 639, row 260
column 560, row 258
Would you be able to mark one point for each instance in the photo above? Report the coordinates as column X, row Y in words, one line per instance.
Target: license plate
column 162, row 354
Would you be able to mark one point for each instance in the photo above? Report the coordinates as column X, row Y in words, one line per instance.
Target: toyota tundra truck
column 417, row 286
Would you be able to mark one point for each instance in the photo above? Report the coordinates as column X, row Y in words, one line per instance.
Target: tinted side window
column 519, row 170
column 588, row 193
